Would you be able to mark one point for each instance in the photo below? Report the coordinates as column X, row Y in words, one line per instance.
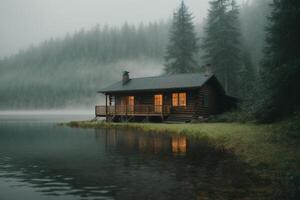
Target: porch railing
column 132, row 110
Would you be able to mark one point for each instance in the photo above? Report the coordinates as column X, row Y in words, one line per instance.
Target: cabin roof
column 176, row 81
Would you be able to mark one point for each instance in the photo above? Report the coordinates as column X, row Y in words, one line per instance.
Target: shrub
column 234, row 116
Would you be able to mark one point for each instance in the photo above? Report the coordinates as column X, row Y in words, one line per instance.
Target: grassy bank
column 255, row 144
column 272, row 150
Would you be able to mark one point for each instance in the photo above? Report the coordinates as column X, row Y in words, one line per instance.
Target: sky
column 29, row 22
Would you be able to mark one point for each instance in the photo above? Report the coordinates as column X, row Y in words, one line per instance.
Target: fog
column 58, row 54
column 46, row 116
column 29, row 22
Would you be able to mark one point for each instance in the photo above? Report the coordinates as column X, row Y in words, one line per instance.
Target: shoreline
column 254, row 144
column 267, row 149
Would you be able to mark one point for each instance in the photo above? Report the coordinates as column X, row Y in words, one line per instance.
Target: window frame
column 175, row 103
column 158, row 98
column 182, row 99
column 131, row 99
column 179, row 99
column 158, row 102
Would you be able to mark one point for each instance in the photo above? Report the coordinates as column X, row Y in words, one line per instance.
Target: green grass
column 255, row 144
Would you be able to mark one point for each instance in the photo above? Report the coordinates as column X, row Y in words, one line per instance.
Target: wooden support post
column 109, row 100
column 106, row 107
column 115, row 104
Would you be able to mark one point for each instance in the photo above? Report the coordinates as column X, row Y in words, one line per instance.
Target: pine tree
column 222, row 44
column 280, row 73
column 182, row 47
column 253, row 15
column 246, row 79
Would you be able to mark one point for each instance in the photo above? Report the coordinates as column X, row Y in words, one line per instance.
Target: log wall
column 195, row 100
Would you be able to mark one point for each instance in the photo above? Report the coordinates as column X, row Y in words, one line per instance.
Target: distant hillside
column 67, row 72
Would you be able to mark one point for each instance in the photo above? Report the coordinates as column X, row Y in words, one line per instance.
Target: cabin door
column 158, row 102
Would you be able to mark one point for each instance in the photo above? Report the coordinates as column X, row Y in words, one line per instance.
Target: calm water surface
column 42, row 161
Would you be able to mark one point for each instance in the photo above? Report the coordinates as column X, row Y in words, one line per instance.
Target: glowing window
column 130, row 107
column 158, row 98
column 131, row 100
column 179, row 99
column 175, row 99
column 158, row 102
column 182, row 99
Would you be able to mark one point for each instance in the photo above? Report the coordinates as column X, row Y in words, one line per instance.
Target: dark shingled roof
column 159, row 82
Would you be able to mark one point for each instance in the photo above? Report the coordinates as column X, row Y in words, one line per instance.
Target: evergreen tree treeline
column 68, row 71
column 232, row 43
column 102, row 43
column 279, row 85
column 222, row 43
column 183, row 43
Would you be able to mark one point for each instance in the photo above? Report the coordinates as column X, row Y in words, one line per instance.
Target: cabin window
column 179, row 99
column 205, row 101
column 131, row 100
column 182, row 99
column 175, row 99
column 158, row 102
column 158, row 99
column 130, row 107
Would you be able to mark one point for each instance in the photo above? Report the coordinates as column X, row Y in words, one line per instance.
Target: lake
column 40, row 160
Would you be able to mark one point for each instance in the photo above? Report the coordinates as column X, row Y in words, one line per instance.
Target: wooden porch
column 135, row 110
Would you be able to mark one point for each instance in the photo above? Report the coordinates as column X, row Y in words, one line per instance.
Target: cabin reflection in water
column 179, row 145
column 130, row 141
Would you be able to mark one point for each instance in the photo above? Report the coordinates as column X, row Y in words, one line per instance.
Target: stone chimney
column 125, row 77
column 207, row 70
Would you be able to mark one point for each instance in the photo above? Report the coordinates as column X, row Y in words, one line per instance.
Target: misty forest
column 132, row 99
column 252, row 47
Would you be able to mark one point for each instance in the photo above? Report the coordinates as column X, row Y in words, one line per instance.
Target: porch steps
column 177, row 118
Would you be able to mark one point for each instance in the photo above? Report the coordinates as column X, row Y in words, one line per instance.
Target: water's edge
column 246, row 141
column 40, row 160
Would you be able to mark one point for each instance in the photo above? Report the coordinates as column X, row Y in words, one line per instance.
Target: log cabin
column 179, row 97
